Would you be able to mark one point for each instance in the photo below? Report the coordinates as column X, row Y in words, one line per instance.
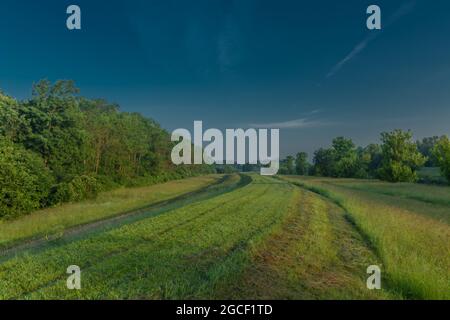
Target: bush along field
column 255, row 238
column 406, row 224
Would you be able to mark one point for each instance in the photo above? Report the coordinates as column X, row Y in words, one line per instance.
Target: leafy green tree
column 340, row 161
column 400, row 157
column 370, row 160
column 24, row 180
column 58, row 146
column 441, row 152
column 426, row 146
column 11, row 121
column 345, row 158
column 56, row 129
column 324, row 162
column 343, row 147
column 290, row 164
column 301, row 163
column 283, row 170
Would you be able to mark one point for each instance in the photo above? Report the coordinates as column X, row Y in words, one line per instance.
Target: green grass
column 430, row 194
column 267, row 239
column 46, row 222
column 314, row 254
column 407, row 224
column 175, row 255
column 205, row 250
column 428, row 200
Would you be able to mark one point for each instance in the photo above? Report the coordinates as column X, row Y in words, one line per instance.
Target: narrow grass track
column 47, row 223
column 314, row 254
column 225, row 184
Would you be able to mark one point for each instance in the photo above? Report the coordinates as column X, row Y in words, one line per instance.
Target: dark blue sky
column 309, row 67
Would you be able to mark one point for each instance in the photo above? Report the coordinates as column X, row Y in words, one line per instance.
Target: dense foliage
column 400, row 157
column 301, row 163
column 57, row 147
column 426, row 146
column 441, row 152
column 345, row 160
column 396, row 159
column 25, row 182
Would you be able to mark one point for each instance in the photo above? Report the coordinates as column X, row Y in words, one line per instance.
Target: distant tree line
column 57, row 147
column 396, row 159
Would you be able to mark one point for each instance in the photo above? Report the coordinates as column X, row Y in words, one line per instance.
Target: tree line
column 58, row 146
column 396, row 159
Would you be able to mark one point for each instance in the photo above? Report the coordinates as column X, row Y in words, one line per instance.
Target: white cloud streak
column 402, row 11
column 291, row 124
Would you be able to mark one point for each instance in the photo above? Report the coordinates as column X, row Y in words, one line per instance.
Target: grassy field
column 408, row 226
column 261, row 237
column 46, row 222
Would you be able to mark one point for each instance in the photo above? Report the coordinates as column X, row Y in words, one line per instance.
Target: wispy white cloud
column 291, row 124
column 405, row 9
column 357, row 49
column 315, row 111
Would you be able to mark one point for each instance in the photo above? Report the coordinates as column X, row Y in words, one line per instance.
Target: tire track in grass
column 221, row 206
column 414, row 249
column 82, row 231
column 348, row 217
column 107, row 270
column 129, row 247
column 50, row 222
column 233, row 258
column 314, row 254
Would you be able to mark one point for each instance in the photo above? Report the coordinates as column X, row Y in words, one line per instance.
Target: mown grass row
column 431, row 194
column 314, row 254
column 55, row 220
column 409, row 236
column 185, row 253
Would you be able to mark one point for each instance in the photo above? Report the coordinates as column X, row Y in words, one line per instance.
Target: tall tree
column 290, row 163
column 58, row 146
column 345, row 158
column 301, row 163
column 13, row 125
column 56, row 127
column 400, row 157
column 370, row 159
column 324, row 162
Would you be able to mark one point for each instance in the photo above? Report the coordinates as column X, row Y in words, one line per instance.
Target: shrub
column 79, row 188
column 25, row 182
